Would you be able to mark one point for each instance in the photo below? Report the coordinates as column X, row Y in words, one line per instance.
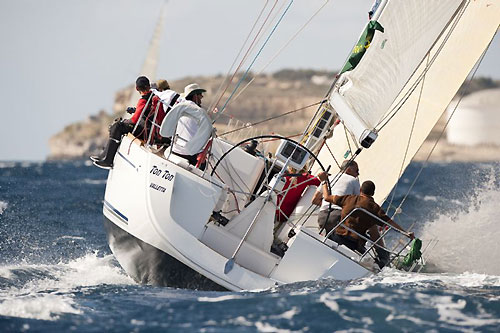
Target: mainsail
column 402, row 96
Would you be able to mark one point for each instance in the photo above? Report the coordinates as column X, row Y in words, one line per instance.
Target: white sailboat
column 170, row 223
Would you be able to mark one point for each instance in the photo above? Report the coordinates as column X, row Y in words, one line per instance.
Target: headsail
column 409, row 30
column 455, row 53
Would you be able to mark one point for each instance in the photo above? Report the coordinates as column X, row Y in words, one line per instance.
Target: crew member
column 359, row 221
column 187, row 127
column 347, row 183
column 142, row 121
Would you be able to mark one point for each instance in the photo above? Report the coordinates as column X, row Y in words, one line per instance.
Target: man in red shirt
column 143, row 120
column 295, row 185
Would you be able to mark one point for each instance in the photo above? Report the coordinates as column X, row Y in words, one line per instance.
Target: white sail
column 397, row 142
column 410, row 28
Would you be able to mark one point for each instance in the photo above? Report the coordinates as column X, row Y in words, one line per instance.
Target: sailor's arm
column 318, row 196
column 323, row 176
column 138, row 110
column 411, row 235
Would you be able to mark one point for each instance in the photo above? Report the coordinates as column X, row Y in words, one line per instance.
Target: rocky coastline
column 269, row 95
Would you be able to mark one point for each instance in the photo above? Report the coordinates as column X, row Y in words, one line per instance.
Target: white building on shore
column 476, row 120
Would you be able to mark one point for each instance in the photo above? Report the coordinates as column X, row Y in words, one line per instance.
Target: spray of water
column 49, row 291
column 468, row 241
column 3, row 206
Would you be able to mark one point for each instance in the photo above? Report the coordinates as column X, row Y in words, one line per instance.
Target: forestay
column 463, row 42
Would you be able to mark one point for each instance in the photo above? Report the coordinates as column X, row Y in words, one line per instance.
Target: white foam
column 72, row 237
column 430, row 198
column 288, row 315
column 91, row 270
column 330, row 301
column 469, row 280
column 3, row 206
column 44, row 306
column 220, row 298
column 93, row 181
column 265, row 327
column 364, row 297
column 48, row 297
column 412, row 319
column 240, row 320
column 5, row 273
column 137, row 322
column 451, row 311
column 468, row 242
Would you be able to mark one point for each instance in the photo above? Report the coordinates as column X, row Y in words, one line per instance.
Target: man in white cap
column 187, row 127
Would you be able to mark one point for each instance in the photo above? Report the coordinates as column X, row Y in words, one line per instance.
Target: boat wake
column 468, row 240
column 45, row 292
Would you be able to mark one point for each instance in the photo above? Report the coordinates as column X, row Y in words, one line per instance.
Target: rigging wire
column 271, row 118
column 253, row 61
column 226, row 79
column 346, row 131
column 246, row 54
column 331, row 153
column 409, row 139
column 281, row 49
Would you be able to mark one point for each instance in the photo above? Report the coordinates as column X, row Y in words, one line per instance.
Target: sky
column 63, row 60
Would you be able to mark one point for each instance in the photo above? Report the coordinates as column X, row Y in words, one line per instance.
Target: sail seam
column 386, row 119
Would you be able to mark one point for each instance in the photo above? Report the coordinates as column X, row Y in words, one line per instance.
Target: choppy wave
column 48, row 291
column 44, row 288
column 468, row 240
column 390, row 276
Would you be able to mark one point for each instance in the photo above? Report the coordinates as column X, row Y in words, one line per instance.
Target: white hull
column 169, row 207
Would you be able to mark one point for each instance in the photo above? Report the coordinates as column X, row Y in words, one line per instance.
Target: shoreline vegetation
column 268, row 96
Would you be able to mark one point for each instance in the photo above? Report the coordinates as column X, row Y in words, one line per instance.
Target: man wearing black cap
column 141, row 120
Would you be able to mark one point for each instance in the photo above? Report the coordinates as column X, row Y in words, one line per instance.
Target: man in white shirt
column 187, row 127
column 347, row 183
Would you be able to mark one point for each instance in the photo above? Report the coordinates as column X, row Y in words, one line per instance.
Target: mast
column 150, row 64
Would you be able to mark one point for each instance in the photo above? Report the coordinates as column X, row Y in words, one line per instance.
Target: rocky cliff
column 269, row 95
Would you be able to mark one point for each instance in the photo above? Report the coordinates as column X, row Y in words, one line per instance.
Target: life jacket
column 147, row 116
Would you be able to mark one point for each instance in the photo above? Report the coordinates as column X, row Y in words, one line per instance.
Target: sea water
column 58, row 274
